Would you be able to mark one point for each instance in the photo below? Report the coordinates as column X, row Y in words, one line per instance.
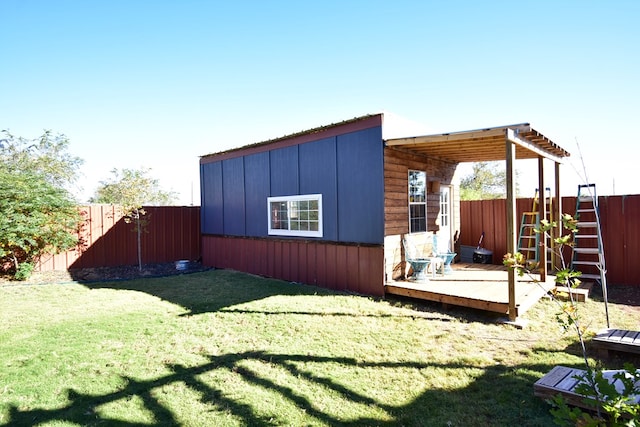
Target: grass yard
column 222, row 348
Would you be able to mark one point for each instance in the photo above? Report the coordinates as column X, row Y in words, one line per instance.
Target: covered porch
column 495, row 288
column 477, row 286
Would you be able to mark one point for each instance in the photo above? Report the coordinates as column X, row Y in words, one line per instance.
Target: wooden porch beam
column 513, row 137
column 446, row 137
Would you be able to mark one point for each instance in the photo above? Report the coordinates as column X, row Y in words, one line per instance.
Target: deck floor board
column 478, row 286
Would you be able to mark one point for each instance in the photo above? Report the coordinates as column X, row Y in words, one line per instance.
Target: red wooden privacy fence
column 172, row 233
column 619, row 219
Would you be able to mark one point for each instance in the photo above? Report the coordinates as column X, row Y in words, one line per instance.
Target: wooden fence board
column 620, row 226
column 174, row 234
column 106, row 240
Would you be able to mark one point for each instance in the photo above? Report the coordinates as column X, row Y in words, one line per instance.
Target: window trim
column 410, row 203
column 289, row 232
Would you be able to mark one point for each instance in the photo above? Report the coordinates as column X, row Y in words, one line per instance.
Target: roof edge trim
column 357, row 123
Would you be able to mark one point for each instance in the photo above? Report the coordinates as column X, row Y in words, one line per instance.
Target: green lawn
column 222, row 348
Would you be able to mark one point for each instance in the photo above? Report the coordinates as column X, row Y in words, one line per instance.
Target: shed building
column 330, row 206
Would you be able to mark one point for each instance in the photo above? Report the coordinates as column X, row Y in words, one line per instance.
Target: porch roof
column 484, row 144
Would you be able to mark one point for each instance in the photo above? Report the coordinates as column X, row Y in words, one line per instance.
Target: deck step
column 580, row 294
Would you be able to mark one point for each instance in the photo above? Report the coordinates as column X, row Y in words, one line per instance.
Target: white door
column 444, row 235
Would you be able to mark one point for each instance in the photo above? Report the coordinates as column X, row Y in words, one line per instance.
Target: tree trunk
column 139, row 232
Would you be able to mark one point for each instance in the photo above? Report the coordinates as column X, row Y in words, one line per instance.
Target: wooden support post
column 542, row 214
column 511, row 219
column 558, row 217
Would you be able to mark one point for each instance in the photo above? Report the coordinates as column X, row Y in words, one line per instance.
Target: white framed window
column 417, row 201
column 295, row 215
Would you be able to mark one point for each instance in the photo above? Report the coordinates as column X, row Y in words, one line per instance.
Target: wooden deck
column 478, row 286
column 563, row 380
column 621, row 340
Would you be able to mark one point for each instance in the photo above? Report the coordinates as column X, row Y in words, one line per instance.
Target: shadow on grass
column 210, row 291
column 460, row 313
column 222, row 290
column 611, row 359
column 499, row 396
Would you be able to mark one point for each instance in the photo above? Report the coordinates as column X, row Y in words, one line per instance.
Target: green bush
column 37, row 213
column 24, row 271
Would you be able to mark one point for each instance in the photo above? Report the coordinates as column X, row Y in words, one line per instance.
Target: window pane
column 417, row 218
column 417, row 201
column 417, row 186
column 279, row 219
column 296, row 215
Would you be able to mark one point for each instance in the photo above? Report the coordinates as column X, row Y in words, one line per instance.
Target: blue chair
column 418, row 264
column 447, row 256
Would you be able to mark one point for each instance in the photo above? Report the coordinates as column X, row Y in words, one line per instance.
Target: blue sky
column 157, row 83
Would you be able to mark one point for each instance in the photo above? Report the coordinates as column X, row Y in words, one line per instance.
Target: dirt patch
column 103, row 274
column 628, row 295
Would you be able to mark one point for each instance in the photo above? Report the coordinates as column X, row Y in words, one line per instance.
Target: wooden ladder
column 529, row 240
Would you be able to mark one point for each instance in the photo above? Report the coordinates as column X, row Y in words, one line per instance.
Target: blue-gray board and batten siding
column 344, row 163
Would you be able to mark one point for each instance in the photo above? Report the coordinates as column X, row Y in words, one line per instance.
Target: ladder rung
column 587, row 224
column 585, row 210
column 585, row 236
column 586, row 250
column 592, row 263
column 590, row 276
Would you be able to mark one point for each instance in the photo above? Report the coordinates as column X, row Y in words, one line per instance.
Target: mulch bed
column 103, row 274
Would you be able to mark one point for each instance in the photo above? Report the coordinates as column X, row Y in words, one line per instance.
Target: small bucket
column 182, row 265
column 482, row 256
